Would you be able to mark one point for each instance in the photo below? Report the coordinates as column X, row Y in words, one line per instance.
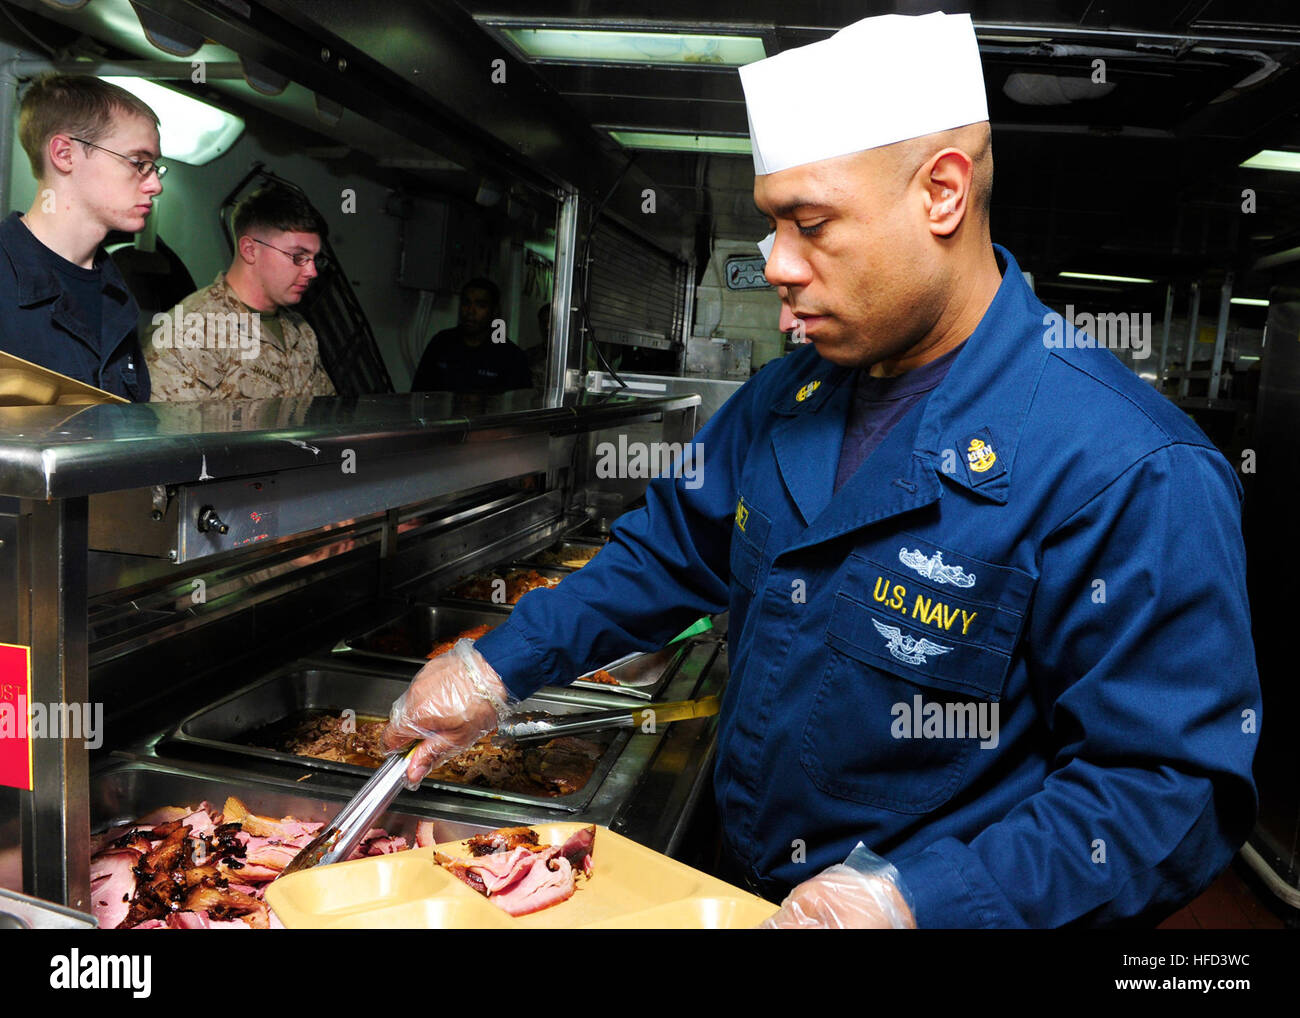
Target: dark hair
column 276, row 207
column 79, row 105
column 487, row 286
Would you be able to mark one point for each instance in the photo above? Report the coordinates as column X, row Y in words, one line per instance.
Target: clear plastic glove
column 451, row 703
column 862, row 893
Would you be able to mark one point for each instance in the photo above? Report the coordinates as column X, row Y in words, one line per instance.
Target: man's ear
column 948, row 190
column 59, row 153
column 246, row 248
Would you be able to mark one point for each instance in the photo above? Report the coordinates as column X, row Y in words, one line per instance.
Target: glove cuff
column 476, row 667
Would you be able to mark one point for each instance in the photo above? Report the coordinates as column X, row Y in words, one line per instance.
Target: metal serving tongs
column 552, row 726
column 338, row 838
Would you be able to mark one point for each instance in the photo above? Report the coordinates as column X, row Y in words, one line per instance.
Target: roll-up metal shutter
column 637, row 293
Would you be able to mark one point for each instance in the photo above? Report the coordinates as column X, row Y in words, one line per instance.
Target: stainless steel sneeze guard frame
column 58, row 452
column 53, row 459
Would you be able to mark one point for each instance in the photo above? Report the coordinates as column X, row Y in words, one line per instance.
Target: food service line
column 134, row 483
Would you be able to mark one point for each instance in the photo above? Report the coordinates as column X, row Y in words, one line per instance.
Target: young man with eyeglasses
column 240, row 338
column 94, row 151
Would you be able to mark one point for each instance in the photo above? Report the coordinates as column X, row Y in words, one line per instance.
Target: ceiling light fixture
column 663, row 141
column 1104, row 278
column 1273, row 159
column 585, row 46
column 190, row 130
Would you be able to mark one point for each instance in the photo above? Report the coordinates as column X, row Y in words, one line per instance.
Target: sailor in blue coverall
column 1010, row 654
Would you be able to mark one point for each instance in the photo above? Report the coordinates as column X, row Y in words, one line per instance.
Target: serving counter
column 159, row 557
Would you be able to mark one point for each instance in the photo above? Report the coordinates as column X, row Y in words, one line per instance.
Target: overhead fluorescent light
column 1254, row 302
column 1273, row 159
column 1104, row 278
column 190, row 130
column 1012, row 38
column 663, row 141
column 672, row 48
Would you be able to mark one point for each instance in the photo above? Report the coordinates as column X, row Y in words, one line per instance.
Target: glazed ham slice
column 504, row 840
column 544, row 881
column 264, row 827
column 577, row 850
column 519, row 875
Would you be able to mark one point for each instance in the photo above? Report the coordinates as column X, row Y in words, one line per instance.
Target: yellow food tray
column 23, row 383
column 631, row 887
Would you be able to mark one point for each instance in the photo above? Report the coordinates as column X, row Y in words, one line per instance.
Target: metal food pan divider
column 423, row 625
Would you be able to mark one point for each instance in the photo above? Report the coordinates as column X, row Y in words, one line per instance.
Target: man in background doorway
column 474, row 355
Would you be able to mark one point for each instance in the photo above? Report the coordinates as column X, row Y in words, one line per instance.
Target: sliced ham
column 270, row 854
column 165, row 814
column 200, row 823
column 523, row 880
column 578, row 849
column 424, row 834
column 112, row 886
column 201, row 921
column 383, row 845
column 264, row 827
column 196, row 868
column 501, row 870
column 543, row 882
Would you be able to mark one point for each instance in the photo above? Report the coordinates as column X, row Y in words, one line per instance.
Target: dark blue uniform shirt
column 1045, row 543
column 879, row 404
column 44, row 317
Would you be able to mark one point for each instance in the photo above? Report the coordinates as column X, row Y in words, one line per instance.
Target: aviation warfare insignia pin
column 908, row 648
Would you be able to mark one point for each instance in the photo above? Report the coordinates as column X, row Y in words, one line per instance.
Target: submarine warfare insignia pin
column 908, row 648
column 934, row 568
column 807, row 391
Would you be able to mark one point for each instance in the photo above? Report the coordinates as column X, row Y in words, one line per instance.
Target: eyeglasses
column 144, row 167
column 300, row 258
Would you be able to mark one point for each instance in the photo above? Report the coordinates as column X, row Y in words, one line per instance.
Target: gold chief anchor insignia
column 742, row 514
column 980, row 456
column 807, row 391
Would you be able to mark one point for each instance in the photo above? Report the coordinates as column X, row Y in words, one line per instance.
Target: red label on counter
column 15, row 716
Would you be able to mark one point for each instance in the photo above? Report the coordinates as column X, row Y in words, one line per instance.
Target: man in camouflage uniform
column 240, row 338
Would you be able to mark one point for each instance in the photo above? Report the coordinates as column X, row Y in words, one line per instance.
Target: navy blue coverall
column 1044, row 536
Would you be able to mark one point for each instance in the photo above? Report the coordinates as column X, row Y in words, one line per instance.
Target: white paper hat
column 878, row 81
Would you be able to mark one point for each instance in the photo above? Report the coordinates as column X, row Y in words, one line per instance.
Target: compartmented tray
column 631, row 887
column 407, row 640
column 222, row 729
